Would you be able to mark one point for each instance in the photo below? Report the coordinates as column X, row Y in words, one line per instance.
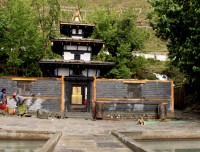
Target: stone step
column 86, row 115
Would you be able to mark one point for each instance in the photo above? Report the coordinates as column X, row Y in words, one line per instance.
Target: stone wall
column 10, row 85
column 130, row 98
column 111, row 97
column 42, row 93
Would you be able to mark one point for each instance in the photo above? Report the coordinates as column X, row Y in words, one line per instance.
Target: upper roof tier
column 74, row 27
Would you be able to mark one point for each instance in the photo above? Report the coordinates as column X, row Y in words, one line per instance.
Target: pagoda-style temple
column 76, row 65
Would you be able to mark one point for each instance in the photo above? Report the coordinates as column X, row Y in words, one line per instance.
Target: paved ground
column 86, row 135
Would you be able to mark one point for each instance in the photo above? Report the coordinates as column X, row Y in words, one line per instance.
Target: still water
column 21, row 145
column 171, row 146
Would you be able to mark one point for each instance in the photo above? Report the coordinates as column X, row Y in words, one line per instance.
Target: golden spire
column 2, row 2
column 77, row 15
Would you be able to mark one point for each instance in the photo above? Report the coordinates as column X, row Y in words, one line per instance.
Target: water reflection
column 21, row 146
column 171, row 146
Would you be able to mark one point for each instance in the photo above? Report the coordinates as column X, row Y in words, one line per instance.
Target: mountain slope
column 142, row 7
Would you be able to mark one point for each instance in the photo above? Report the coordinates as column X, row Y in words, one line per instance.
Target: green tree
column 25, row 35
column 47, row 14
column 121, row 36
column 3, row 29
column 20, row 41
column 178, row 22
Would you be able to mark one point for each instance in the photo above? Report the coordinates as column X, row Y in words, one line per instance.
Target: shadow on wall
column 32, row 103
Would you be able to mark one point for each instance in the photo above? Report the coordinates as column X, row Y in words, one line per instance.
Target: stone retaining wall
column 120, row 98
column 129, row 98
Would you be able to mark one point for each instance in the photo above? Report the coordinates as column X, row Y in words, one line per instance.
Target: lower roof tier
column 49, row 67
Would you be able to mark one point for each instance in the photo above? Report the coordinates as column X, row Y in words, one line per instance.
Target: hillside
column 153, row 44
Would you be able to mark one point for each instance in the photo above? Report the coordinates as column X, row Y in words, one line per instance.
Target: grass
column 154, row 44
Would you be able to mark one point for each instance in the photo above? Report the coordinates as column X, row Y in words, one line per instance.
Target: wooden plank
column 23, row 79
column 144, row 81
column 29, row 78
column 130, row 99
column 131, row 80
column 94, row 96
column 150, row 102
column 95, row 89
column 111, row 80
column 172, row 96
column 135, row 81
column 62, row 104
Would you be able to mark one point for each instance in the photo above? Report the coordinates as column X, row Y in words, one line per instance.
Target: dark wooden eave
column 77, row 40
column 48, row 66
column 77, row 23
column 67, row 63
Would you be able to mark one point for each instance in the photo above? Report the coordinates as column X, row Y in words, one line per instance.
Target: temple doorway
column 78, row 96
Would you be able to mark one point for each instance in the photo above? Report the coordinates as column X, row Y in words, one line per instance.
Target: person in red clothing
column 3, row 99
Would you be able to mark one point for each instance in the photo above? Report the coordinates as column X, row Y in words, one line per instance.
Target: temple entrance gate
column 78, row 95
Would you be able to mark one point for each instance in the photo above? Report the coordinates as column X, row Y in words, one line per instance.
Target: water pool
column 21, row 145
column 173, row 145
column 161, row 141
column 28, row 141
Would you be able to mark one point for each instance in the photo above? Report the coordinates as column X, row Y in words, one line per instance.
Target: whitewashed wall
column 160, row 57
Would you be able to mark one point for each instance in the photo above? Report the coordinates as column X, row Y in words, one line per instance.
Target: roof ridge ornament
column 77, row 15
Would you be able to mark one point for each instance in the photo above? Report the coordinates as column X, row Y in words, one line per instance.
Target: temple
column 76, row 65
